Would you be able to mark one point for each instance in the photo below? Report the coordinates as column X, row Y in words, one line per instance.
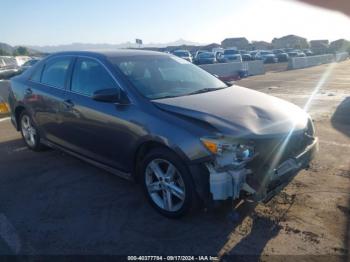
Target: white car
column 230, row 55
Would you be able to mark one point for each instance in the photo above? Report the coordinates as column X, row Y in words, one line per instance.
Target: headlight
column 229, row 152
column 243, row 152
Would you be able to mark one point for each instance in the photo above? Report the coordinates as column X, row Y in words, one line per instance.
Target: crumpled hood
column 239, row 111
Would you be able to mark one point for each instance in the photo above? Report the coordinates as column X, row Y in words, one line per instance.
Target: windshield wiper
column 205, row 90
column 163, row 97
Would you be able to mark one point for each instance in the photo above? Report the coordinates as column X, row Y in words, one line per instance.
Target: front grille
column 274, row 151
column 277, row 150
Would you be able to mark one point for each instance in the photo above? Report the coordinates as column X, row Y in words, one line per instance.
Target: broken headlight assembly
column 227, row 172
column 233, row 154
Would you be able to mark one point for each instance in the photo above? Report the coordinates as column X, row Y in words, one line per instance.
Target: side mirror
column 110, row 95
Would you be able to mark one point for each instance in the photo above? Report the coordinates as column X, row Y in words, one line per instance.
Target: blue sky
column 40, row 22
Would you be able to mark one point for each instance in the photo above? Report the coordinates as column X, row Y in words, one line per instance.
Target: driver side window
column 90, row 76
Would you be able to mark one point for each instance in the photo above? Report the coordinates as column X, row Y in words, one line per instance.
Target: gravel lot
column 52, row 203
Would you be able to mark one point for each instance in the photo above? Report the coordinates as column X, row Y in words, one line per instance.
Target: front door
column 97, row 130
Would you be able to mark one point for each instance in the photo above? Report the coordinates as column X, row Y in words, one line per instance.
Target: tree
column 3, row 52
column 21, row 50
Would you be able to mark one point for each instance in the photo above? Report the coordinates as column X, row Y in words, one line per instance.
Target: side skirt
column 107, row 168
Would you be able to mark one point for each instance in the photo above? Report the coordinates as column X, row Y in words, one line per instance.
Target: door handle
column 28, row 91
column 68, row 103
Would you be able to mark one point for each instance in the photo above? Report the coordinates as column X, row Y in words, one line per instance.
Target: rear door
column 46, row 90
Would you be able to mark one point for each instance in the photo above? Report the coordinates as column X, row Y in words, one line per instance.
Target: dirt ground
column 51, row 203
column 312, row 214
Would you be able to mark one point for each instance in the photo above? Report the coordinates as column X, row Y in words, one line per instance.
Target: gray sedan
column 165, row 123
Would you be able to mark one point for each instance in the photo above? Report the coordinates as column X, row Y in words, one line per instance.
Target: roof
column 110, row 54
column 289, row 37
column 236, row 39
column 319, row 41
column 340, row 40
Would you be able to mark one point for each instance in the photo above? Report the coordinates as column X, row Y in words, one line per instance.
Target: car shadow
column 52, row 203
column 347, row 238
column 262, row 231
column 341, row 121
column 341, row 117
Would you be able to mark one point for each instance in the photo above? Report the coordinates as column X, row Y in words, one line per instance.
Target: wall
column 341, row 56
column 302, row 62
column 232, row 69
column 4, row 89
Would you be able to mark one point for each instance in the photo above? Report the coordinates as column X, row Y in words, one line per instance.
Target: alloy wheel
column 165, row 185
column 28, row 131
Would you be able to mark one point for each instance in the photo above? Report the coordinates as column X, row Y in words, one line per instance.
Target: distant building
column 238, row 42
column 261, row 45
column 210, row 47
column 290, row 41
column 319, row 46
column 339, row 45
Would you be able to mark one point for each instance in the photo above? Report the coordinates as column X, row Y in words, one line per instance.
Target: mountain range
column 6, row 48
column 89, row 46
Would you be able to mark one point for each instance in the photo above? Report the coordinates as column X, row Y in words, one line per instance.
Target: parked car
column 281, row 55
column 253, row 53
column 218, row 51
column 205, row 58
column 296, row 53
column 246, row 56
column 293, row 54
column 184, row 54
column 287, row 50
column 20, row 60
column 266, row 57
column 8, row 67
column 197, row 53
column 301, row 53
column 28, row 64
column 152, row 117
column 230, row 55
column 308, row 52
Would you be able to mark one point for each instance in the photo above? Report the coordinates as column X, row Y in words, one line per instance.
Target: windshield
column 182, row 53
column 265, row 53
column 206, row 55
column 30, row 62
column 160, row 76
column 231, row 52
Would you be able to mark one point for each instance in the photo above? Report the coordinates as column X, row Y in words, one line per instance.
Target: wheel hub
column 165, row 185
column 28, row 131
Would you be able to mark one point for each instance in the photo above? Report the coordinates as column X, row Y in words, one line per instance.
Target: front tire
column 167, row 183
column 30, row 132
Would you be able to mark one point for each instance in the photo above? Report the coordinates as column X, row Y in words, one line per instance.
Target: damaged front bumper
column 284, row 173
column 230, row 182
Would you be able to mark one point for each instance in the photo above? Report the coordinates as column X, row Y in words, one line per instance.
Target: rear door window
column 36, row 76
column 55, row 72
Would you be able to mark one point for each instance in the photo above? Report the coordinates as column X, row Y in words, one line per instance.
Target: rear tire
column 167, row 183
column 30, row 132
